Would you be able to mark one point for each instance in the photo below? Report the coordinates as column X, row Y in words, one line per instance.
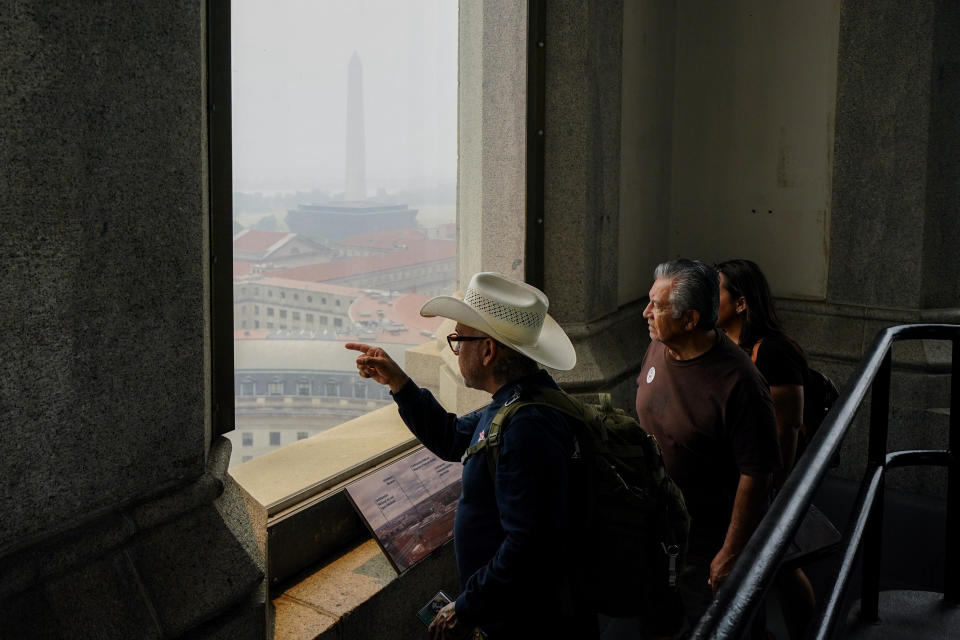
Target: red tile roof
column 382, row 239
column 257, row 240
column 305, row 285
column 417, row 252
column 241, row 268
column 404, row 308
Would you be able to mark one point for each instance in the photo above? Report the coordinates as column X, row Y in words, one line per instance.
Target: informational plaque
column 409, row 505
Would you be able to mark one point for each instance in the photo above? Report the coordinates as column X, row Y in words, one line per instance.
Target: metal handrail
column 733, row 607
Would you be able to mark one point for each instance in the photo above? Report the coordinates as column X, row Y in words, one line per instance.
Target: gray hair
column 512, row 365
column 696, row 287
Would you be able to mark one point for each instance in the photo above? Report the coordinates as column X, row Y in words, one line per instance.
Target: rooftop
column 242, row 268
column 304, row 285
column 398, row 318
column 257, row 240
column 418, row 252
column 383, row 239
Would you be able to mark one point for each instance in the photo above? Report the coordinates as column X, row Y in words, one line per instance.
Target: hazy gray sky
column 289, row 81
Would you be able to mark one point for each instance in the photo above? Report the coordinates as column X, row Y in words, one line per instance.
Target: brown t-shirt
column 714, row 420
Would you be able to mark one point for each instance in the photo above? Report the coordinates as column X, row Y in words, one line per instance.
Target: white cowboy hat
column 511, row 312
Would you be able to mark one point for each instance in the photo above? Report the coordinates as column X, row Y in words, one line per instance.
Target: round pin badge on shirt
column 651, row 374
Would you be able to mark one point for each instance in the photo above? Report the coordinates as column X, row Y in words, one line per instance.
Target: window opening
column 344, row 122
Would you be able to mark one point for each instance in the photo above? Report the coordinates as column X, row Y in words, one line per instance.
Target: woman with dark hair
column 747, row 315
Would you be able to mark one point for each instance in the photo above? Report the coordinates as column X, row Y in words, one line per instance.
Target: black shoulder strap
column 554, row 398
column 491, row 441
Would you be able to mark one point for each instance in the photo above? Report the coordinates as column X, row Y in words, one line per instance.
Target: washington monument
column 356, row 140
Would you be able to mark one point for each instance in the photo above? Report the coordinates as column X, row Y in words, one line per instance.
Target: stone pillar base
column 190, row 560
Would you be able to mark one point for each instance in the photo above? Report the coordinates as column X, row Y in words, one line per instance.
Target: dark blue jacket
column 511, row 536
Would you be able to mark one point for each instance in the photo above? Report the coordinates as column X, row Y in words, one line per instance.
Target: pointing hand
column 373, row 362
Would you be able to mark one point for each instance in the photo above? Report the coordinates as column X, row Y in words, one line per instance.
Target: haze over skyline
column 289, row 77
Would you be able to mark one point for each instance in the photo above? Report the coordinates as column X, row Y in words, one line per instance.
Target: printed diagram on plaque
column 409, row 505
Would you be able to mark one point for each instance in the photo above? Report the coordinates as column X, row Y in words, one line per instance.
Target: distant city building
column 278, row 248
column 274, row 304
column 292, row 384
column 242, row 269
column 383, row 317
column 422, row 266
column 347, row 218
column 299, row 298
column 355, row 213
column 271, row 368
column 377, row 242
column 286, row 308
column 289, row 390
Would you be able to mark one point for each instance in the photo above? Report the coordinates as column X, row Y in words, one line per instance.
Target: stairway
column 907, row 615
column 911, row 598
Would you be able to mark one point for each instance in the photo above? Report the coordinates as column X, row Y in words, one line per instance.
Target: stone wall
column 118, row 521
column 894, row 219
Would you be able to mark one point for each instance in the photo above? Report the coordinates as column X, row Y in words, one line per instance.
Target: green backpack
column 635, row 523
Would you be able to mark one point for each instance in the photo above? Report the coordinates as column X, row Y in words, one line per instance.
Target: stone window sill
column 293, row 469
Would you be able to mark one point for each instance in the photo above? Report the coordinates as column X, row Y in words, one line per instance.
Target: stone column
column 491, row 137
column 896, row 191
column 119, row 520
column 582, row 181
column 894, row 223
column 491, row 170
column 582, row 173
column 582, row 176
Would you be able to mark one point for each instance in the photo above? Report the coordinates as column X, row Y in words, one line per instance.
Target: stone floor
column 908, row 615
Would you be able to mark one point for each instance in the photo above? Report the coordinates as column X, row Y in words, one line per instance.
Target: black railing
column 736, row 601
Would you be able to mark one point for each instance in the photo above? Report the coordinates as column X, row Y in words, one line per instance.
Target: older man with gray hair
column 708, row 406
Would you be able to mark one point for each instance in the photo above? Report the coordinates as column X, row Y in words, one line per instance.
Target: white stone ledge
column 289, row 470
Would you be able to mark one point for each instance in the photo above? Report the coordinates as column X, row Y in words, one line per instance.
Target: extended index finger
column 358, row 346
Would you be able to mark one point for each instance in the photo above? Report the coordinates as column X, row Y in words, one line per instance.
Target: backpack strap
column 559, row 400
column 491, row 442
column 544, row 396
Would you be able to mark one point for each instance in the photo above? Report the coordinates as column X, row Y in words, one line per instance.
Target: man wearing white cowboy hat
column 512, row 533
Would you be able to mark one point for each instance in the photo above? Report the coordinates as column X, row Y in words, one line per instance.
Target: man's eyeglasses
column 454, row 340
